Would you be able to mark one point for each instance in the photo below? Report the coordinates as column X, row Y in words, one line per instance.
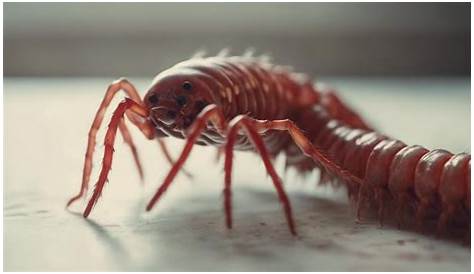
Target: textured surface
column 46, row 123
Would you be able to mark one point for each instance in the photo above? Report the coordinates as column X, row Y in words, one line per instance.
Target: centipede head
column 174, row 100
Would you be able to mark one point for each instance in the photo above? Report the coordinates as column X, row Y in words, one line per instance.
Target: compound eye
column 187, row 85
column 153, row 99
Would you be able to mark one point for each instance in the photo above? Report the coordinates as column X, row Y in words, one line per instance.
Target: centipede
column 248, row 103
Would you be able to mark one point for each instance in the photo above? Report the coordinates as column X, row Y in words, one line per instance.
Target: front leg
column 123, row 107
column 145, row 127
column 211, row 113
column 169, row 159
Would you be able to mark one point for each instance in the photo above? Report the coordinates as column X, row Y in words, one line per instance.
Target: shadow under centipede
column 113, row 245
column 455, row 232
column 317, row 220
column 323, row 211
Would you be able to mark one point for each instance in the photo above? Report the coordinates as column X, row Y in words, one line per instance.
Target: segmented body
column 408, row 174
column 258, row 89
column 324, row 133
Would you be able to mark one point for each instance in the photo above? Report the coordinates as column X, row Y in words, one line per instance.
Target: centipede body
column 247, row 103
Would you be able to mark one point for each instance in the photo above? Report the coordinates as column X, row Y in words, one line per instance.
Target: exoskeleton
column 249, row 104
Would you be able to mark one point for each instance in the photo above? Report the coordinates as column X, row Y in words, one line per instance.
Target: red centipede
column 247, row 103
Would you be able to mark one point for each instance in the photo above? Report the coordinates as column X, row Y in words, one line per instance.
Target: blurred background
column 322, row 39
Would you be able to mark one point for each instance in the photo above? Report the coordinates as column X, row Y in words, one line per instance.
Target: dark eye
column 153, row 99
column 187, row 85
column 181, row 100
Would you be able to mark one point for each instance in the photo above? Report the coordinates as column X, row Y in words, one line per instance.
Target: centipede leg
column 379, row 196
column 169, row 159
column 446, row 215
column 116, row 86
column 309, row 149
column 229, row 155
column 210, row 113
column 249, row 126
column 421, row 213
column 335, row 105
column 127, row 137
column 219, row 152
column 403, row 198
column 361, row 201
column 118, row 114
column 256, row 127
